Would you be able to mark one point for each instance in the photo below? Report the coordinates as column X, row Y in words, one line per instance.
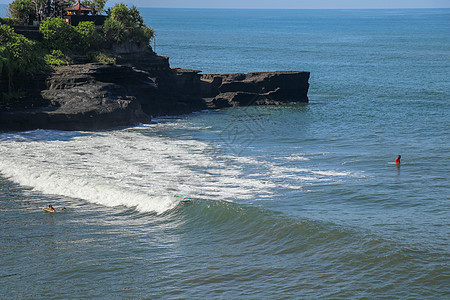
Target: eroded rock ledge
column 259, row 88
column 141, row 85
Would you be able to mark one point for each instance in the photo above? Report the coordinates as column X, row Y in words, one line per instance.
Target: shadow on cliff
column 24, row 92
column 142, row 85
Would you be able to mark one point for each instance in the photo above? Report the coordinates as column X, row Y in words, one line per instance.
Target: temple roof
column 79, row 7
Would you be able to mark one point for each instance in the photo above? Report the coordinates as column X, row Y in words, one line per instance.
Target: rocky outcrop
column 84, row 97
column 99, row 96
column 261, row 88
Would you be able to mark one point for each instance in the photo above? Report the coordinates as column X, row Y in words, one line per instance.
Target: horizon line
column 273, row 8
column 264, row 8
column 242, row 8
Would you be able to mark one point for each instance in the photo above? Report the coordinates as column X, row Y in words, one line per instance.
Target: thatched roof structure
column 79, row 8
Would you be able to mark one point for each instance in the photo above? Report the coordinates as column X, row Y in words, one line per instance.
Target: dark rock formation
column 84, row 97
column 141, row 85
column 261, row 88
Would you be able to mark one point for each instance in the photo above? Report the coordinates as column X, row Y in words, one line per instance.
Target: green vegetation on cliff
column 60, row 35
column 18, row 55
column 21, row 57
column 127, row 25
column 22, row 10
column 97, row 5
column 25, row 11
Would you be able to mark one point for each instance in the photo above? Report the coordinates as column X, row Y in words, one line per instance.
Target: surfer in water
column 397, row 160
column 50, row 208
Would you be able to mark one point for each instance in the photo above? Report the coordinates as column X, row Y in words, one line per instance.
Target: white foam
column 295, row 157
column 330, row 173
column 122, row 168
column 139, row 168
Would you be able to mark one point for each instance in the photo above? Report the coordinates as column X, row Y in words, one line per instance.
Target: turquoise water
column 300, row 201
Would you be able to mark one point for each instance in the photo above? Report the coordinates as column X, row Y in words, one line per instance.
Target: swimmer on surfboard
column 397, row 160
column 50, row 208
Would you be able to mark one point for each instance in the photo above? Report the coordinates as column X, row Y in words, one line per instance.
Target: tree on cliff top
column 127, row 25
column 18, row 55
column 60, row 35
column 22, row 10
column 97, row 5
column 26, row 11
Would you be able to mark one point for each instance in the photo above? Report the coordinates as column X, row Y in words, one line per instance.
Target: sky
column 284, row 4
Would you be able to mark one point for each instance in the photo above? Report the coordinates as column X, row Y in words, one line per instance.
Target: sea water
column 295, row 201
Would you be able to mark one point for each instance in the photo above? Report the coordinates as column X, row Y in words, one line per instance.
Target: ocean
column 301, row 201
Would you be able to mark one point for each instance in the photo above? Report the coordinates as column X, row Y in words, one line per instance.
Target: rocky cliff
column 139, row 86
column 261, row 88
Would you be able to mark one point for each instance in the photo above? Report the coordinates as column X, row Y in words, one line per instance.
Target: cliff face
column 141, row 85
column 83, row 97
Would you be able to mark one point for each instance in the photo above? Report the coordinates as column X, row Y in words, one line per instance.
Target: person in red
column 397, row 160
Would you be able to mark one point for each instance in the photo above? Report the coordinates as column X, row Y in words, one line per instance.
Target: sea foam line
column 139, row 168
column 122, row 168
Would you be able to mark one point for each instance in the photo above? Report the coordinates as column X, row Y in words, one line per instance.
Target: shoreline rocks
column 94, row 96
column 257, row 88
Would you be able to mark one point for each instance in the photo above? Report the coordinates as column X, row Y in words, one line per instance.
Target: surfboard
column 47, row 210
